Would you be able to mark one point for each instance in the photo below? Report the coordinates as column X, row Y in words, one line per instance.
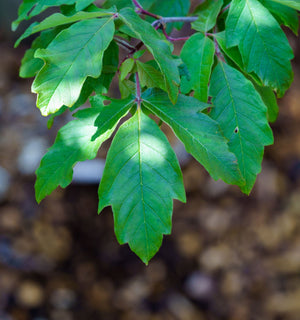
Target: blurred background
column 230, row 257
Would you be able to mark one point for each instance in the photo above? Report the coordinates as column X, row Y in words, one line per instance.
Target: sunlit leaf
column 71, row 57
column 73, row 143
column 200, row 134
column 140, row 180
column 256, row 32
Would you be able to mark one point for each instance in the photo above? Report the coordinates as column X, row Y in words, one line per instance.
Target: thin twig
column 219, row 54
column 225, row 8
column 174, row 39
column 177, row 19
column 141, row 10
column 125, row 45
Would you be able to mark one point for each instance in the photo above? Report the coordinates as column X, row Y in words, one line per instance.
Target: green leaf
column 266, row 93
column 208, row 12
column 110, row 66
column 170, row 8
column 200, row 134
column 110, row 114
column 284, row 15
column 31, row 65
column 31, row 8
column 140, row 179
column 269, row 99
column 295, row 4
column 73, row 143
column 127, row 88
column 252, row 27
column 149, row 76
column 82, row 4
column 198, row 55
column 242, row 115
column 159, row 48
column 98, row 85
column 71, row 57
column 125, row 68
column 235, row 57
column 58, row 19
column 138, row 54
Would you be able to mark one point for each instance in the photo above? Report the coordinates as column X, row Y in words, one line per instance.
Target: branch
column 125, row 45
column 225, row 8
column 163, row 20
column 174, row 39
column 177, row 19
column 218, row 52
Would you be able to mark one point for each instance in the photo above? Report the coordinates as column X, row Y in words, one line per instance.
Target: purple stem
column 219, row 54
column 174, row 39
column 225, row 8
column 140, row 9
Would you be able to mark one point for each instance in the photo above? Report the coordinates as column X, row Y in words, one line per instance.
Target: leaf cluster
column 218, row 95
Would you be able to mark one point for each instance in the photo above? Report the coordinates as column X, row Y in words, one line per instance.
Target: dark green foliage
column 218, row 96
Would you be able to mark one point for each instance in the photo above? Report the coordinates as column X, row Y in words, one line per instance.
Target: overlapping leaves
column 75, row 55
column 71, row 57
column 252, row 28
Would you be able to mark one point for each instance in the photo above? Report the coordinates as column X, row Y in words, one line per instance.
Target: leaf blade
column 58, row 19
column 243, row 121
column 73, row 143
column 199, row 133
column 68, row 63
column 140, row 179
column 199, row 65
column 256, row 32
column 207, row 12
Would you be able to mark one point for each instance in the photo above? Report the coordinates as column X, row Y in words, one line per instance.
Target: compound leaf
column 256, row 32
column 140, row 179
column 200, row 134
column 73, row 143
column 71, row 57
column 198, row 55
column 243, row 120
column 158, row 47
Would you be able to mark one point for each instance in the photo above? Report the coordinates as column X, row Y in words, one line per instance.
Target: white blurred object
column 88, row 172
column 31, row 155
